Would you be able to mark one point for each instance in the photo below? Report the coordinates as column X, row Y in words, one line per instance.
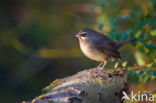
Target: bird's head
column 84, row 35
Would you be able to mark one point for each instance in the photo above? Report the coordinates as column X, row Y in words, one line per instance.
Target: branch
column 88, row 86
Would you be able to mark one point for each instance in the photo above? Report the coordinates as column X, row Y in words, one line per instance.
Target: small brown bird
column 99, row 47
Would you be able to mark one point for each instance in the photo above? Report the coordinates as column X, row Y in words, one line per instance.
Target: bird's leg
column 120, row 63
column 99, row 69
column 100, row 64
column 104, row 63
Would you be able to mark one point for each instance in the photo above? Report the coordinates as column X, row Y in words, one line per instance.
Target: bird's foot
column 101, row 65
column 120, row 63
column 97, row 72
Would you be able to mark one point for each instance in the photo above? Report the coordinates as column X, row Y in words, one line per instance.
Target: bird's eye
column 83, row 35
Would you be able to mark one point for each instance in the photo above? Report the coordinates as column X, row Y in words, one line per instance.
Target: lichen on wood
column 89, row 86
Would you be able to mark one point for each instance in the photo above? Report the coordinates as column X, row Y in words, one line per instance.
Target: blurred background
column 37, row 44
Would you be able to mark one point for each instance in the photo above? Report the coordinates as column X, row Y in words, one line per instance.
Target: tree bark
column 89, row 86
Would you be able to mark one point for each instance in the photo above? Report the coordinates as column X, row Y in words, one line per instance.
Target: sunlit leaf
column 140, row 78
column 139, row 58
column 153, row 33
column 142, row 40
column 124, row 64
column 149, row 65
column 130, row 68
column 137, row 34
column 153, row 77
column 116, row 64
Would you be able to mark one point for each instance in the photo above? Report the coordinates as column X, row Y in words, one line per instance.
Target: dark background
column 37, row 44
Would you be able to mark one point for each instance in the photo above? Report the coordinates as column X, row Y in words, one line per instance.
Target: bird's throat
column 80, row 39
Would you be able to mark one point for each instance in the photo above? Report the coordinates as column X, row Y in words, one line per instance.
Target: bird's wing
column 107, row 46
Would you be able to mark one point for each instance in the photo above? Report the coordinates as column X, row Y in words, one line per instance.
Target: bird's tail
column 121, row 43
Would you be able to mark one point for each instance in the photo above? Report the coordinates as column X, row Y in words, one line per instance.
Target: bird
column 98, row 47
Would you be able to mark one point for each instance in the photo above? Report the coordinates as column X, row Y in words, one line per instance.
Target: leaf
column 124, row 64
column 150, row 3
column 153, row 77
column 101, row 26
column 130, row 68
column 116, row 64
column 148, row 46
column 146, row 78
column 137, row 72
column 120, row 36
column 149, row 65
column 149, row 70
column 134, row 43
column 137, row 34
column 112, row 35
column 139, row 58
column 153, row 33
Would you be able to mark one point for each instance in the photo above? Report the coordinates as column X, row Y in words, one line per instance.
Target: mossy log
column 89, row 86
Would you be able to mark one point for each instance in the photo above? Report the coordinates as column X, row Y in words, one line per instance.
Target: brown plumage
column 99, row 47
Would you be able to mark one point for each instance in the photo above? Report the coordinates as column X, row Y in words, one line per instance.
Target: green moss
column 52, row 85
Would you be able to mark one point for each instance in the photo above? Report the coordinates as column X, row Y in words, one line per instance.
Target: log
column 95, row 85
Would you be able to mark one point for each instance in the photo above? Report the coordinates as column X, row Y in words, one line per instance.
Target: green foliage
column 153, row 33
column 141, row 76
column 139, row 22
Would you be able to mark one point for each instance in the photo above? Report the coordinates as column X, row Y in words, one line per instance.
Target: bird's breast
column 92, row 53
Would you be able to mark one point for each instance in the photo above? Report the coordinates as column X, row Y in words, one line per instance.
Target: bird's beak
column 76, row 36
